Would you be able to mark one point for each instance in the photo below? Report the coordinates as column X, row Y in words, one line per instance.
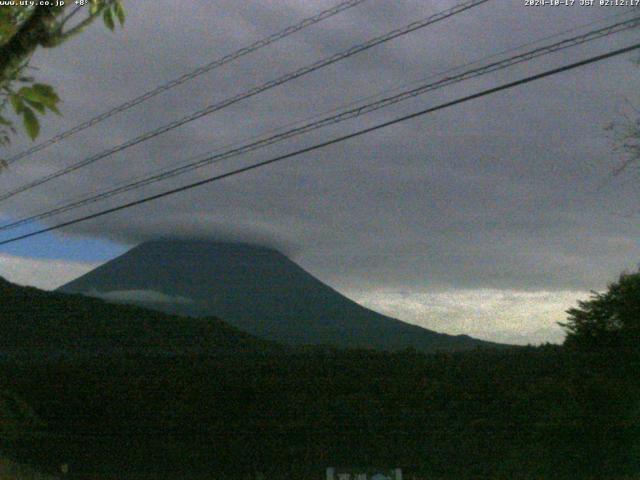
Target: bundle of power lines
column 477, row 68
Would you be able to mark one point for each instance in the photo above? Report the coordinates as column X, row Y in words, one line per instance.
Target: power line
column 333, row 141
column 337, row 118
column 307, row 22
column 340, row 117
column 252, row 92
column 65, row 207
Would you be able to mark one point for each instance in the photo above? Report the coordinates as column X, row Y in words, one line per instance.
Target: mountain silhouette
column 256, row 289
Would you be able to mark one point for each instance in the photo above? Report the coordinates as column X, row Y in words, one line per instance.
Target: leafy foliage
column 22, row 30
column 526, row 413
column 35, row 98
column 16, row 415
column 534, row 413
column 608, row 320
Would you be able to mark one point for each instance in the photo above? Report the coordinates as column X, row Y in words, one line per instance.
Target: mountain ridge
column 256, row 289
column 34, row 321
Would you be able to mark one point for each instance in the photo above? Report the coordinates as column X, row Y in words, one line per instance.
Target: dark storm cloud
column 501, row 192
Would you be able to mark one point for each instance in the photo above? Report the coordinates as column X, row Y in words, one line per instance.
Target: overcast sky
column 487, row 218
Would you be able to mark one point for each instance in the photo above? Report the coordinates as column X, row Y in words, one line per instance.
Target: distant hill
column 32, row 321
column 256, row 289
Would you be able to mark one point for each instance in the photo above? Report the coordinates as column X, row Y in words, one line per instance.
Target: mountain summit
column 256, row 289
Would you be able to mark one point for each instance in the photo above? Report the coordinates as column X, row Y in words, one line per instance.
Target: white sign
column 337, row 473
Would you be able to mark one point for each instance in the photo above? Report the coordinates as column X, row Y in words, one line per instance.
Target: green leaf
column 37, row 105
column 44, row 89
column 16, row 103
column 119, row 11
column 54, row 109
column 31, row 124
column 41, row 96
column 108, row 19
column 46, row 93
column 29, row 94
column 94, row 7
column 4, row 121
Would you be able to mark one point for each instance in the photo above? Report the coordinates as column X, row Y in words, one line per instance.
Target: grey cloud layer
column 498, row 193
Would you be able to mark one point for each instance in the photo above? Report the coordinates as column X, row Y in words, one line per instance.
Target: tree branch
column 64, row 21
column 34, row 32
column 63, row 36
